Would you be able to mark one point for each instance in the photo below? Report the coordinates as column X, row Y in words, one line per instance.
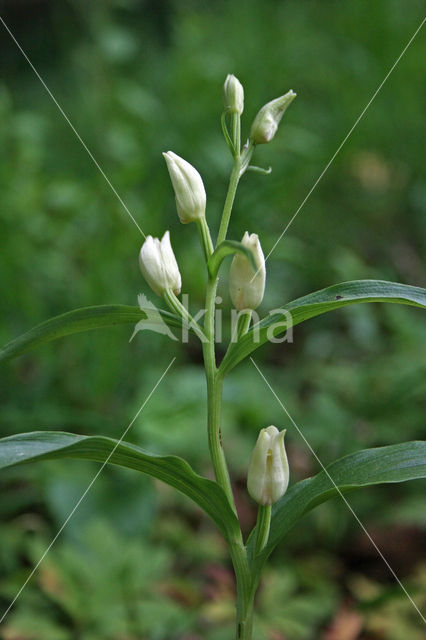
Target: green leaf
column 314, row 304
column 395, row 463
column 46, row 445
column 84, row 319
column 227, row 248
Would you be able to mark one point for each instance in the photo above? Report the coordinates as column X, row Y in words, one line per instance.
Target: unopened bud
column 188, row 187
column 268, row 473
column 247, row 285
column 158, row 265
column 233, row 95
column 266, row 122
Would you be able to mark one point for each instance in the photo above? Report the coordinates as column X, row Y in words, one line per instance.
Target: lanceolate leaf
column 314, row 304
column 44, row 445
column 396, row 463
column 84, row 319
column 227, row 248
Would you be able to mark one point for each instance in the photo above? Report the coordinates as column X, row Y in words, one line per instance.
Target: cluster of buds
column 156, row 258
column 268, row 470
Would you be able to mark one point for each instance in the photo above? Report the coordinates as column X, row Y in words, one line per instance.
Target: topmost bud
column 233, row 95
column 266, row 122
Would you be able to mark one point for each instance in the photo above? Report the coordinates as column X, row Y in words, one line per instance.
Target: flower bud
column 266, row 122
column 188, row 186
column 233, row 95
column 158, row 265
column 268, row 473
column 247, row 285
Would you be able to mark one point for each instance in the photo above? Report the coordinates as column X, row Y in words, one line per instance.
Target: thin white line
column 341, row 495
column 84, row 494
column 348, row 135
column 71, row 125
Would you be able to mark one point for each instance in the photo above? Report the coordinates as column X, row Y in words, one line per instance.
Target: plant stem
column 175, row 305
column 244, row 618
column 214, row 396
column 229, row 201
column 214, row 402
column 214, row 380
column 238, row 552
column 245, row 591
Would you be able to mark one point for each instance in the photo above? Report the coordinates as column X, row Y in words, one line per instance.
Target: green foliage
column 339, row 295
column 107, row 586
column 129, row 76
column 391, row 464
column 79, row 320
column 295, row 602
column 43, row 445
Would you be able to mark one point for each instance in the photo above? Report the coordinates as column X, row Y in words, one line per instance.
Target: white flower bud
column 247, row 285
column 268, row 473
column 158, row 265
column 188, row 186
column 266, row 122
column 233, row 95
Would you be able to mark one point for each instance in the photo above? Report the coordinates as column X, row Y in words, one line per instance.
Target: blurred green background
column 136, row 78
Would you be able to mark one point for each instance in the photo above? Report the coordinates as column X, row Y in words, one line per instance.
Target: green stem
column 175, row 305
column 241, row 162
column 245, row 591
column 214, row 402
column 244, row 629
column 247, row 581
column 214, row 380
column 238, row 552
column 229, row 201
column 214, row 396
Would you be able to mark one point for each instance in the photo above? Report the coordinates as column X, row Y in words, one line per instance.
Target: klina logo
column 280, row 330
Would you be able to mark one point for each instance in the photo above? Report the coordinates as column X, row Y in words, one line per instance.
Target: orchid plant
column 279, row 507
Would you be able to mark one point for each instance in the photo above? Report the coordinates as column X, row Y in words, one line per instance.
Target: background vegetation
column 137, row 78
